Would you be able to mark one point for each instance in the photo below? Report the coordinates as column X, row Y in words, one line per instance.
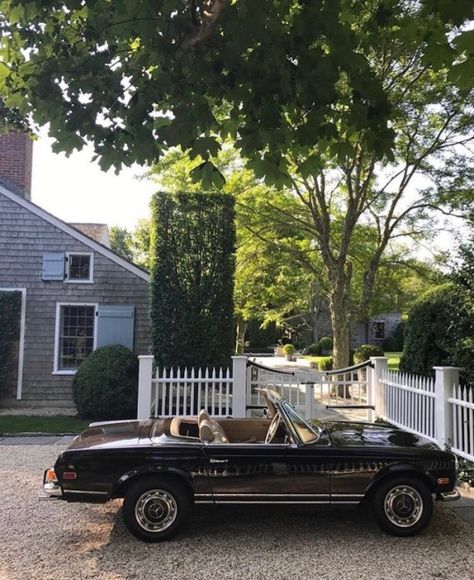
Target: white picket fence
column 409, row 402
column 462, row 408
column 178, row 391
column 438, row 408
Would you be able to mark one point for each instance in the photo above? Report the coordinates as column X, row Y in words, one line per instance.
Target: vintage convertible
column 162, row 467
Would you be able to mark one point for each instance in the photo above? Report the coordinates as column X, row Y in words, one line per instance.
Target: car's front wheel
column 403, row 505
column 154, row 509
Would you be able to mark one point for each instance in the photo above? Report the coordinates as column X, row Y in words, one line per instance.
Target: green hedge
column 192, row 279
column 10, row 308
column 325, row 363
column 105, row 386
column 433, row 333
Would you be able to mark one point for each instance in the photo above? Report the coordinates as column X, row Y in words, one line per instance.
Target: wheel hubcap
column 156, row 510
column 403, row 506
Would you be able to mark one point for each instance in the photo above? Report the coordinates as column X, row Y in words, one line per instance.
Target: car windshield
column 305, row 431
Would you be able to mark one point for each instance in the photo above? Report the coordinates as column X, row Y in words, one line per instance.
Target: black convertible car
column 162, row 467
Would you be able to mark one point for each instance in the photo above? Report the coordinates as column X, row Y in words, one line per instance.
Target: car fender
column 400, row 468
column 144, row 470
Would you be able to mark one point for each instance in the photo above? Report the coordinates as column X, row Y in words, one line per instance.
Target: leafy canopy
column 278, row 76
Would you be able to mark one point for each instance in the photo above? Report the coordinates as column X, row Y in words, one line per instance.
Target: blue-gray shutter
column 53, row 266
column 115, row 325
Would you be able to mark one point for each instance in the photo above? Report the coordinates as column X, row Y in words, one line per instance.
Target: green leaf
column 4, row 71
column 462, row 74
column 208, row 175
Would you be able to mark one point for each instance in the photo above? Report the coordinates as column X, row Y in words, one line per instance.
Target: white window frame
column 90, row 280
column 56, row 369
column 21, row 344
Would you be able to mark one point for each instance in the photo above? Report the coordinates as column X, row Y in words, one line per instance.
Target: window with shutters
column 75, row 335
column 79, row 267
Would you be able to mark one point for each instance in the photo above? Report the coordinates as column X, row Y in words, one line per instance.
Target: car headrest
column 206, row 433
column 203, row 415
column 211, row 432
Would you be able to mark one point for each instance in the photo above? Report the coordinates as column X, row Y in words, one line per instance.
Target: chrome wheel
column 403, row 506
column 156, row 510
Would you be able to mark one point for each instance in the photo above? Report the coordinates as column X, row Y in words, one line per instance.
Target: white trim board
column 56, row 369
column 21, row 343
column 75, row 233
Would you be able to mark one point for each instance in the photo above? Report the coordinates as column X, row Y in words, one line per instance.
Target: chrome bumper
column 449, row 495
column 51, row 489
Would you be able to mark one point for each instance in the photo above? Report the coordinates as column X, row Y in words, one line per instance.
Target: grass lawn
column 393, row 360
column 312, row 358
column 29, row 424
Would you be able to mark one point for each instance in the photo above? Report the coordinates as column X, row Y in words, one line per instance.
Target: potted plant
column 289, row 351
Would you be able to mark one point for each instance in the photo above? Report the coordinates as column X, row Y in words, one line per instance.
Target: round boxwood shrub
column 326, row 344
column 289, row 349
column 365, row 351
column 106, row 384
column 313, row 350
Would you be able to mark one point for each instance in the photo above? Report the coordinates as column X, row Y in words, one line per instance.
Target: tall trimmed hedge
column 10, row 308
column 192, row 279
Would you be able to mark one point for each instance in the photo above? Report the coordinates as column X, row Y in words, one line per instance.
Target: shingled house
column 76, row 293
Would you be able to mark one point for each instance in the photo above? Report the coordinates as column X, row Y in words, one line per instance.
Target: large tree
column 343, row 100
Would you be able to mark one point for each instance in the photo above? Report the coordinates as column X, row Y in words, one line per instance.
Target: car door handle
column 212, row 460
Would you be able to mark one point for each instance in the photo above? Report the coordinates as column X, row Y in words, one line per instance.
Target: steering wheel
column 272, row 430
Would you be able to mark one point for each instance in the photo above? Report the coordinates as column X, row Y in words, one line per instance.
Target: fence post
column 375, row 394
column 309, row 400
column 145, row 371
column 445, row 379
column 239, row 387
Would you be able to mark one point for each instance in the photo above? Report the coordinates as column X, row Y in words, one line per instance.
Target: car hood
column 373, row 435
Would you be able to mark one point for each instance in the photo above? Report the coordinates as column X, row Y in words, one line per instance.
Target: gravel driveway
column 41, row 540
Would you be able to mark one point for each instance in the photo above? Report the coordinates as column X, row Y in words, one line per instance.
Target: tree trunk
column 340, row 321
column 241, row 328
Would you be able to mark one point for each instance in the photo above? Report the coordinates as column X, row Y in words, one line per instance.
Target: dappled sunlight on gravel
column 53, row 540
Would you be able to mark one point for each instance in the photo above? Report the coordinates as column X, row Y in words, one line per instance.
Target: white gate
column 342, row 389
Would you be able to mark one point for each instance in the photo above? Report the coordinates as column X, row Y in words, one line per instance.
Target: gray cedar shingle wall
column 24, row 237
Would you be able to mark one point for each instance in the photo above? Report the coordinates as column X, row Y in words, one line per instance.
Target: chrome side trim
column 302, row 495
column 347, row 495
column 277, row 502
column 314, row 502
column 86, row 492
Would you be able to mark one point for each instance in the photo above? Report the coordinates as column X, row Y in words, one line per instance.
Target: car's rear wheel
column 154, row 509
column 402, row 505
